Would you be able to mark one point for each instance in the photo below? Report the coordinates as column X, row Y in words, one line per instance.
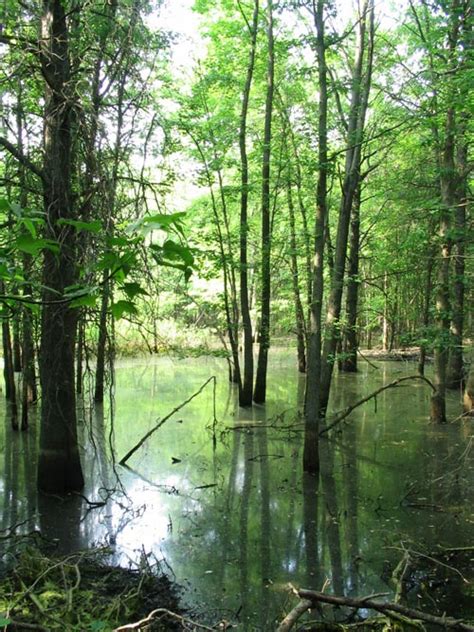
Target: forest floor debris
column 82, row 592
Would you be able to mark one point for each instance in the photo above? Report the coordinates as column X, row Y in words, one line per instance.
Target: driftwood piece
column 162, row 421
column 385, row 607
column 347, row 411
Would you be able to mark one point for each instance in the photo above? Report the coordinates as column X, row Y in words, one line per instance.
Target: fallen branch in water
column 349, row 409
column 158, row 614
column 385, row 607
column 162, row 421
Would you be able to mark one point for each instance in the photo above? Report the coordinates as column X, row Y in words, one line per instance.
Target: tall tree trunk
column 29, row 393
column 59, row 466
column 16, row 348
column 350, row 344
column 80, row 355
column 443, row 342
column 295, row 280
column 455, row 371
column 245, row 395
column 8, row 371
column 313, row 370
column 359, row 101
column 260, row 390
column 426, row 311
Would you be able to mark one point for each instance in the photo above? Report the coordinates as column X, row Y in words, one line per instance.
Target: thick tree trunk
column 59, row 466
column 313, row 370
column 350, row 344
column 245, row 395
column 443, row 307
column 260, row 391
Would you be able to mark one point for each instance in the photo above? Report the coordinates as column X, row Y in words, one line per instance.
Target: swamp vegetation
column 236, row 265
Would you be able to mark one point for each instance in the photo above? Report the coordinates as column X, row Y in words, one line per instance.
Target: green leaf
column 16, row 209
column 159, row 221
column 133, row 289
column 117, row 241
column 29, row 225
column 88, row 300
column 32, row 246
column 91, row 227
column 120, row 308
column 171, row 250
column 4, row 621
column 4, row 205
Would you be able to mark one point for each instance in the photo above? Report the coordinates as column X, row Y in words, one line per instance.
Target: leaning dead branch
column 162, row 421
column 347, row 411
column 293, row 616
column 385, row 607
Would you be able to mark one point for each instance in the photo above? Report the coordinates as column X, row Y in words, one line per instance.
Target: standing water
column 218, row 494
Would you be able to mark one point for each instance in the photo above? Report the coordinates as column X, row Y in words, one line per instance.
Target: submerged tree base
column 83, row 592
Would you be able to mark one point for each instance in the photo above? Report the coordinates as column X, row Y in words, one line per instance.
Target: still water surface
column 232, row 519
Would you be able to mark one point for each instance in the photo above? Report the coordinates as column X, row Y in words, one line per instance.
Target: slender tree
column 247, row 382
column 260, row 390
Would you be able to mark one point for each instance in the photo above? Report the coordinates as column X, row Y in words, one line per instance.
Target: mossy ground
column 81, row 592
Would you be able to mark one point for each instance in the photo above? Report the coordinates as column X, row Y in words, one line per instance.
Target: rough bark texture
column 260, row 391
column 59, row 467
column 245, row 395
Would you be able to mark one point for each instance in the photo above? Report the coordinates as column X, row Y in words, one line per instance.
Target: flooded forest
column 236, row 300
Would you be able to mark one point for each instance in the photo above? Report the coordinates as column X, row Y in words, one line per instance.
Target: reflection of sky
column 214, row 537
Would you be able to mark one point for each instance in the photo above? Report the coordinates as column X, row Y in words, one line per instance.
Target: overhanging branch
column 24, row 160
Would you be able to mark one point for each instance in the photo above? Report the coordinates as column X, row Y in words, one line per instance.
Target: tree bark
column 313, row 371
column 260, row 390
column 295, row 281
column 350, row 344
column 102, row 341
column 59, row 466
column 443, row 342
column 426, row 312
column 8, row 369
column 455, row 371
column 359, row 101
column 245, row 395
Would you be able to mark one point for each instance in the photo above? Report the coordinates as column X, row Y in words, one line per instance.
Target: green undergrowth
column 82, row 592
